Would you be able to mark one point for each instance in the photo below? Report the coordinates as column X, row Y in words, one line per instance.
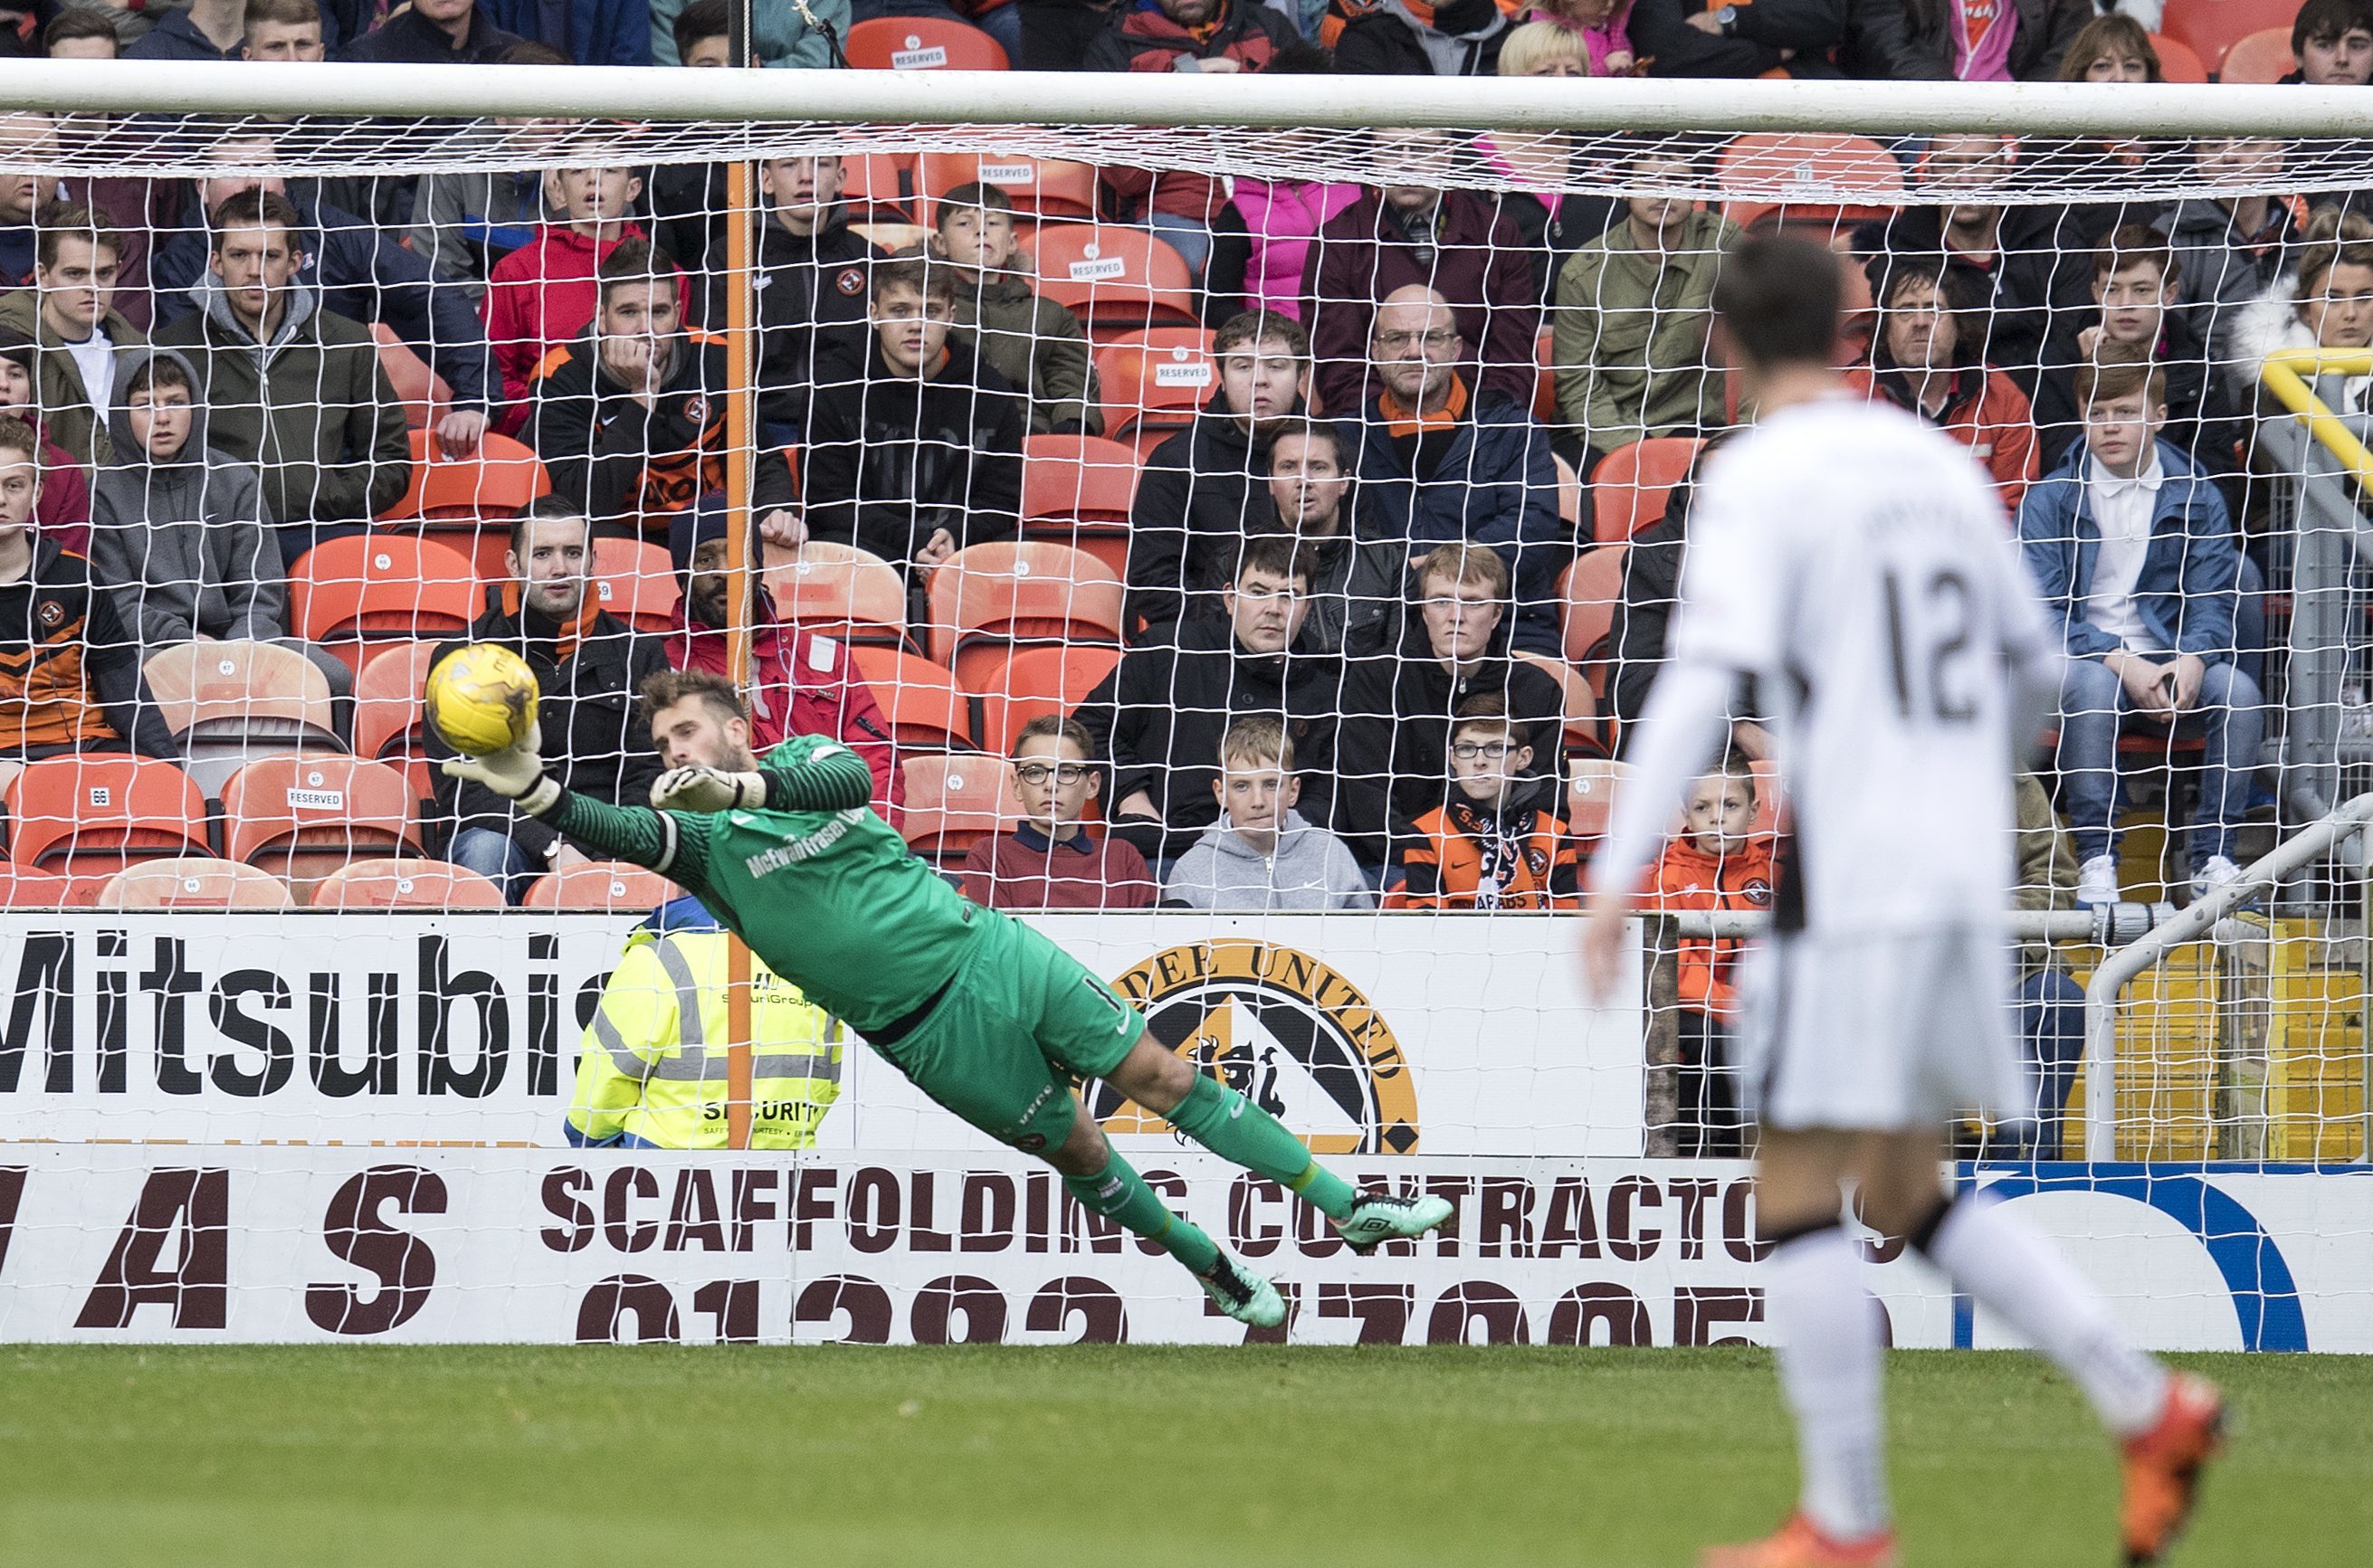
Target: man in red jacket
column 800, row 683
column 542, row 293
column 1229, row 35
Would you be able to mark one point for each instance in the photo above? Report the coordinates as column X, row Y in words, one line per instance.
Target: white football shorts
column 1893, row 1031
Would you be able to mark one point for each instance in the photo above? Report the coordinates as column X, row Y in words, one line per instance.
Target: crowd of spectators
column 1347, row 676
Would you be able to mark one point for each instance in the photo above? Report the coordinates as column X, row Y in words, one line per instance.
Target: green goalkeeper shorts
column 1022, row 1021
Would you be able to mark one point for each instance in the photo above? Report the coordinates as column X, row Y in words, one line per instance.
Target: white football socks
column 1827, row 1328
column 2001, row 1261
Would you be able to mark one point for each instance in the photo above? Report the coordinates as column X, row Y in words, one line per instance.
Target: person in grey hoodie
column 178, row 537
column 1262, row 855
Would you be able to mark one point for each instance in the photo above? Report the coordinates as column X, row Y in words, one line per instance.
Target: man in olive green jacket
column 289, row 386
column 1631, row 318
column 74, row 290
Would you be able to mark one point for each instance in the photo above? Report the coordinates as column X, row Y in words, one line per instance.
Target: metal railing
column 2201, row 920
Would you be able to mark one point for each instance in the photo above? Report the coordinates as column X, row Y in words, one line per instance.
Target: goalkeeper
column 985, row 1015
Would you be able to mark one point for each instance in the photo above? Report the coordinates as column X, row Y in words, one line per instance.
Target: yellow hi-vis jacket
column 652, row 1068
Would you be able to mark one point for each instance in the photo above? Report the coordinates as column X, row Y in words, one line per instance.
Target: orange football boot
column 2163, row 1467
column 1799, row 1543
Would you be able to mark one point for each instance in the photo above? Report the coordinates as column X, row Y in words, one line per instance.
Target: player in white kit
column 1855, row 561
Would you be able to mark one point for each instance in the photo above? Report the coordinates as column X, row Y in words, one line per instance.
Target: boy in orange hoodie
column 1492, row 845
column 1714, row 863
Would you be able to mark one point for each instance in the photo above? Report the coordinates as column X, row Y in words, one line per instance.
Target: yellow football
column 481, row 698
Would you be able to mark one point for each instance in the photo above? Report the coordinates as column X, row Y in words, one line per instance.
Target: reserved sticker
column 930, row 59
column 1009, row 173
column 317, row 800
column 1098, row 267
column 1194, row 373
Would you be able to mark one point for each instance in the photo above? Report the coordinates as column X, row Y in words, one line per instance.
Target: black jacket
column 628, row 466
column 1201, row 493
column 1915, row 37
column 2043, row 269
column 584, row 715
column 1158, row 718
column 1392, row 753
column 890, row 460
column 409, row 39
column 812, row 309
column 1382, row 43
column 69, row 669
column 1660, row 34
column 2200, row 416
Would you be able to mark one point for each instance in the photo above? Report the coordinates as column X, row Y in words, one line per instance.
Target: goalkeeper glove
column 707, row 790
column 516, row 772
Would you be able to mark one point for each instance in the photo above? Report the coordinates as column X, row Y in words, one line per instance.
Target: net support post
column 2122, row 964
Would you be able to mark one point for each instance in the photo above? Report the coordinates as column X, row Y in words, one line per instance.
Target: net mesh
column 1028, row 488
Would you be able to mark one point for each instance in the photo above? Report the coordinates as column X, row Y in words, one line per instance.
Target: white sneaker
column 2097, row 881
column 2220, row 871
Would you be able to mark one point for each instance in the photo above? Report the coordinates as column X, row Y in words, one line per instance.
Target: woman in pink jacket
column 1284, row 216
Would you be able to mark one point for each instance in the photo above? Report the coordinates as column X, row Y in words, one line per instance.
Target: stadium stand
column 93, row 812
column 303, row 818
column 922, row 43
column 405, row 885
column 608, row 886
column 193, row 882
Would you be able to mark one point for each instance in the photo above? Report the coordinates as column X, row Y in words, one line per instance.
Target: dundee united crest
column 1281, row 1028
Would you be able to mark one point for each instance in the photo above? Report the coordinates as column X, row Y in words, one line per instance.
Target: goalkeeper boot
column 1800, row 1543
column 2163, row 1467
column 1379, row 1217
column 1243, row 1295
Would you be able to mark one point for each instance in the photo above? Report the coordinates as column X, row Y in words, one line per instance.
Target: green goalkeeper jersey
column 822, row 890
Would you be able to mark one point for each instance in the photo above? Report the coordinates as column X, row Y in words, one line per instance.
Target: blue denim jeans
column 2052, row 1037
column 494, row 856
column 2229, row 716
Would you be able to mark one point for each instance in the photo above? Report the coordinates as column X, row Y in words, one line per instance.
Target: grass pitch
column 1145, row 1458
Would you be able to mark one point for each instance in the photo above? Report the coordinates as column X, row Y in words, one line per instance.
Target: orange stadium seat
column 193, row 882
column 2214, row 26
column 1113, row 278
column 406, row 885
column 1630, row 487
column 1040, row 187
column 422, row 393
column 1080, row 490
column 1545, row 400
column 990, row 598
column 303, row 818
column 388, row 718
column 925, row 706
column 1591, row 783
column 96, row 812
column 2261, row 58
column 2176, row 61
column 634, row 580
column 469, row 503
column 609, row 885
column 954, row 801
column 1592, row 587
column 25, row 888
column 1155, row 380
column 838, row 590
column 1580, row 707
column 230, row 702
column 921, row 43
column 1035, row 682
column 1841, row 178
column 875, row 187
column 380, row 588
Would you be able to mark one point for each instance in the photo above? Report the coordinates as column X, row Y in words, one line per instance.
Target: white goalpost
column 269, row 997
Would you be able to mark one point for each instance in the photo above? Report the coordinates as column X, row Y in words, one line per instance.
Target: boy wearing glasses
column 1493, row 844
column 1051, row 861
column 921, row 455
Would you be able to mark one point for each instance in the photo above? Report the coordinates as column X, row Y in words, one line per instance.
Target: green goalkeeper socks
column 1118, row 1192
column 1233, row 1128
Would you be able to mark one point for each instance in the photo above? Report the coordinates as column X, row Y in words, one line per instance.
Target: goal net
column 1238, row 538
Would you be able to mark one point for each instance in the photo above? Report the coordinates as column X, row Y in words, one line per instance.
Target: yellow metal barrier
column 2287, row 374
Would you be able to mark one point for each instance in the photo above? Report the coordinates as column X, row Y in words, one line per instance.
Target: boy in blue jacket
column 2134, row 552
